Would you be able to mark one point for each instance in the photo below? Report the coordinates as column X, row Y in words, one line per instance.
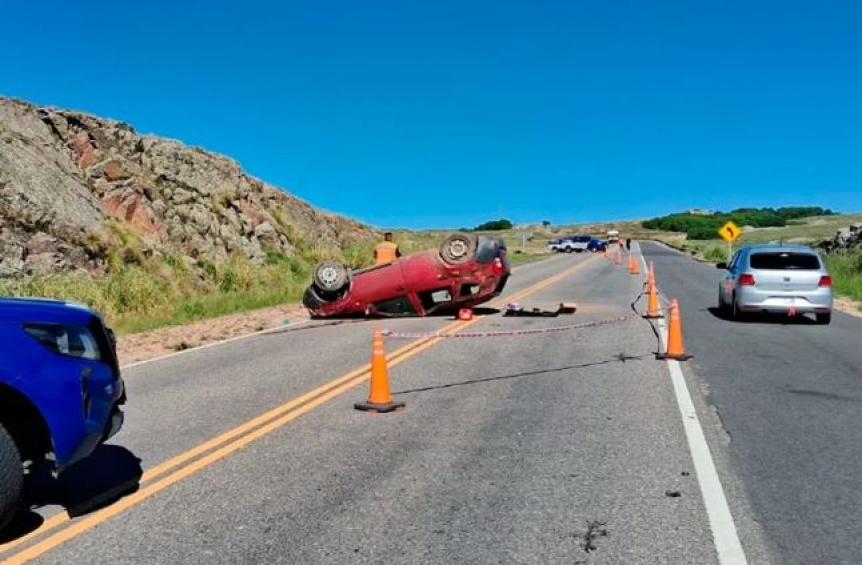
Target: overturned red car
column 465, row 271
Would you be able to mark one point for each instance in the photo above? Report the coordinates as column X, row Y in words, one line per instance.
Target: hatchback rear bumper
column 753, row 300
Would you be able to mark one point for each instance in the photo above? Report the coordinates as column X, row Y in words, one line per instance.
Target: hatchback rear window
column 782, row 261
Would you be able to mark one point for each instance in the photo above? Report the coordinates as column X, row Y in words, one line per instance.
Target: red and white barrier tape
column 511, row 333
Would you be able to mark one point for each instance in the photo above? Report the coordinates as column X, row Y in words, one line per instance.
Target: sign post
column 729, row 232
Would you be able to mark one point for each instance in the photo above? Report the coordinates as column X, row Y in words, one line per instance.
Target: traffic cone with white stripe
column 653, row 308
column 650, row 278
column 675, row 349
column 380, row 399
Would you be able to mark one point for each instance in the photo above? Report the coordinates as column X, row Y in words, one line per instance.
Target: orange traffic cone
column 675, row 349
column 465, row 314
column 633, row 265
column 619, row 258
column 650, row 278
column 653, row 309
column 380, row 399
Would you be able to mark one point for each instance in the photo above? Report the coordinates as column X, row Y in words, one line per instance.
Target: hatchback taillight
column 499, row 267
column 746, row 280
column 825, row 280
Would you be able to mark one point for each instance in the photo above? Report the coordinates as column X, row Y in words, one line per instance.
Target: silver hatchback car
column 787, row 279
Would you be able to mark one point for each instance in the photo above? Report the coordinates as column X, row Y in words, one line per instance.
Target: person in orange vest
column 387, row 250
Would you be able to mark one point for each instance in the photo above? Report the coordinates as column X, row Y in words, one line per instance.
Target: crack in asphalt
column 595, row 530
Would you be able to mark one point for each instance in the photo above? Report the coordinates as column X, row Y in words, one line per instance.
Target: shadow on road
column 780, row 319
column 100, row 480
column 620, row 358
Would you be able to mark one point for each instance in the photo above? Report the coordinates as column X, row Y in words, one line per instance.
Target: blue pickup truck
column 60, row 390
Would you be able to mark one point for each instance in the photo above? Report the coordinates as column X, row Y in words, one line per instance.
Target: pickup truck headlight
column 69, row 340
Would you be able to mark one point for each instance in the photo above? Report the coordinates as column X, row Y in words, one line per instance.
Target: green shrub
column 846, row 271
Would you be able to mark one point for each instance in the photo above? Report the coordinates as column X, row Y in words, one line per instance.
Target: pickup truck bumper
column 115, row 422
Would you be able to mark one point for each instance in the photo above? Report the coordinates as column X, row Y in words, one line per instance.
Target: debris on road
column 516, row 310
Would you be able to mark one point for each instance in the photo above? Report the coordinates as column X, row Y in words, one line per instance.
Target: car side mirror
column 721, row 266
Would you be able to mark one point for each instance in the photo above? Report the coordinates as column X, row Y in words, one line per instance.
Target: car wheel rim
column 458, row 249
column 329, row 275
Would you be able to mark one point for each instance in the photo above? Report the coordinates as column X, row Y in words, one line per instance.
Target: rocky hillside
column 77, row 192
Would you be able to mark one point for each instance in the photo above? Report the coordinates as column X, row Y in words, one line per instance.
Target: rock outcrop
column 75, row 188
column 844, row 240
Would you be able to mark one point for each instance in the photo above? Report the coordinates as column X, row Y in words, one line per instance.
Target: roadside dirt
column 155, row 343
column 848, row 306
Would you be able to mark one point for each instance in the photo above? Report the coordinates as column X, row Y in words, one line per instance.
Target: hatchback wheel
column 723, row 308
column 823, row 318
column 735, row 312
column 458, row 248
column 330, row 276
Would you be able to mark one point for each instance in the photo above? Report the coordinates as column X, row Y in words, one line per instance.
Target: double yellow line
column 189, row 462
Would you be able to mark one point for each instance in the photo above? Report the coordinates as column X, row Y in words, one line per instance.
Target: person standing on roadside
column 387, row 250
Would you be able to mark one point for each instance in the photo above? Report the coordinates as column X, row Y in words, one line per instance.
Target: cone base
column 680, row 357
column 380, row 408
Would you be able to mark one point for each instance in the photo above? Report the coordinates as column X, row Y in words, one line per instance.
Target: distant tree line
column 700, row 226
column 493, row 225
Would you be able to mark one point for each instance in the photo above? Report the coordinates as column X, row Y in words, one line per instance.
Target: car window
column 785, row 260
column 733, row 261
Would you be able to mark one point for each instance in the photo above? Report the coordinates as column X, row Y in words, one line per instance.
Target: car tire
column 823, row 319
column 11, row 478
column 458, row 248
column 737, row 314
column 723, row 308
column 330, row 276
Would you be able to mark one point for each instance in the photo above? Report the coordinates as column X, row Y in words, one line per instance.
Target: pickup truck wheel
column 330, row 276
column 458, row 248
column 11, row 478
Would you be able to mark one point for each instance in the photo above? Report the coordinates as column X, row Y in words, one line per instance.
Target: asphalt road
column 789, row 396
column 564, row 447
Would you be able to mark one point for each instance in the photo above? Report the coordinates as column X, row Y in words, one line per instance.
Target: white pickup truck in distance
column 570, row 244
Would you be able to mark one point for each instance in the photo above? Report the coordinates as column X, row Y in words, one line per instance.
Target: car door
column 379, row 284
column 728, row 283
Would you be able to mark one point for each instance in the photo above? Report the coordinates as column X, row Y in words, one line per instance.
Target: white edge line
column 213, row 344
column 724, row 534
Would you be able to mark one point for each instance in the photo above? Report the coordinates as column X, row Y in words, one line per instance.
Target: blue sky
column 450, row 113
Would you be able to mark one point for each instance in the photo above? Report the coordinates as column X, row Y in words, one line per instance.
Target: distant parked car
column 777, row 279
column 596, row 245
column 466, row 270
column 570, row 244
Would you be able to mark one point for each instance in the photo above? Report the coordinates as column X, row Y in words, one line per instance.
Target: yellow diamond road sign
column 730, row 232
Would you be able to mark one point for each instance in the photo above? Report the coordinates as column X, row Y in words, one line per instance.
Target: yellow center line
column 254, row 429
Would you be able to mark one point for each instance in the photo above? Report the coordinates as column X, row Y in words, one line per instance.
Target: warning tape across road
column 512, row 333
